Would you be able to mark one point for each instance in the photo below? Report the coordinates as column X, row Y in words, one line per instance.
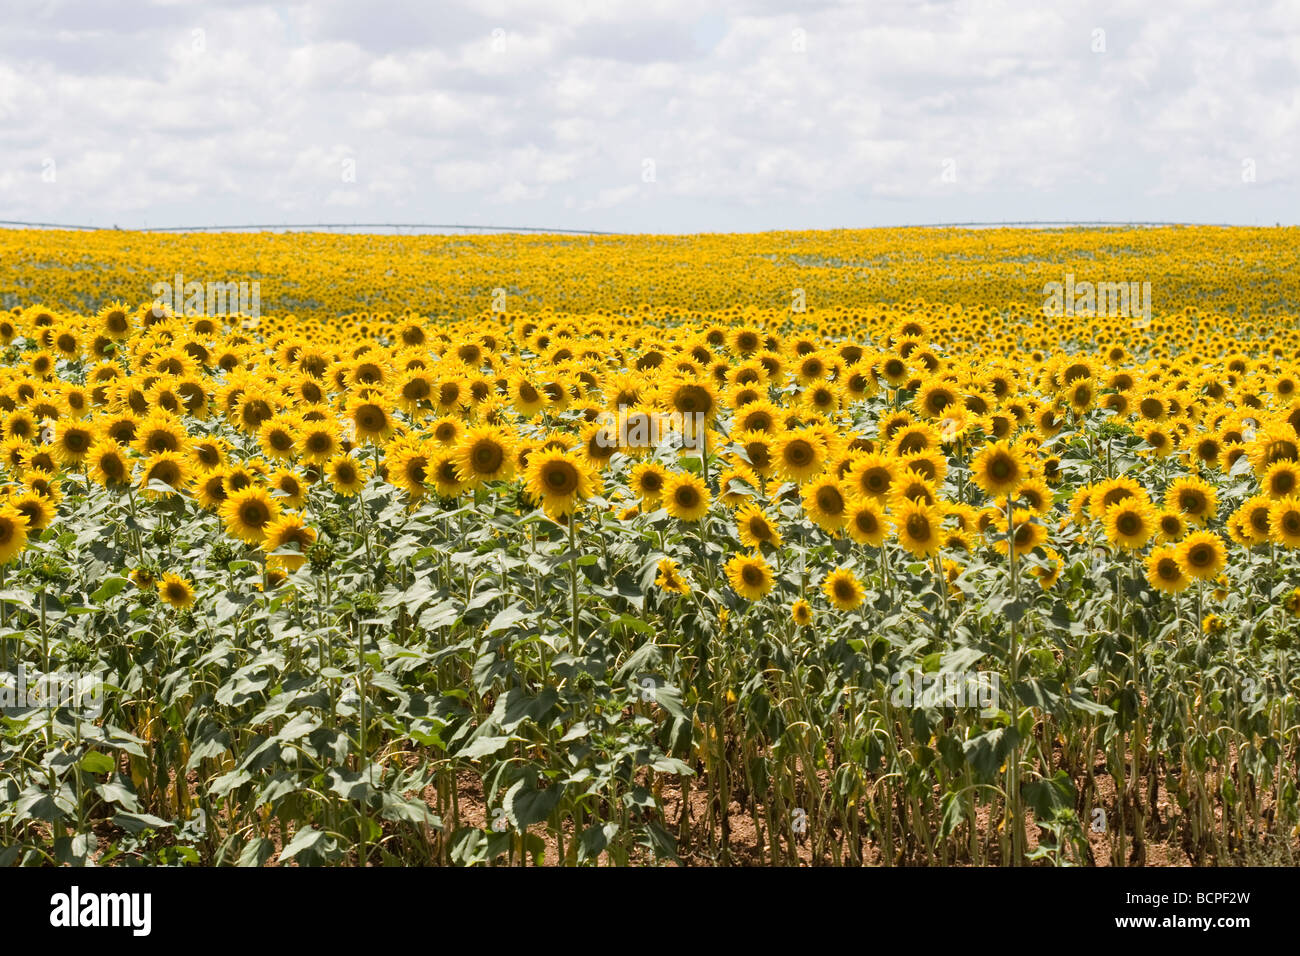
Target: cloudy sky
column 649, row 116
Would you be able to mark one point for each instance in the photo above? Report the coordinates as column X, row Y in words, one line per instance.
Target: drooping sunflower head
column 670, row 577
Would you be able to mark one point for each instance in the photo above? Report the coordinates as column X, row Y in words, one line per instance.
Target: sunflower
column 1035, row 495
column 1284, row 521
column 647, row 483
column 284, row 531
column 526, row 397
column 108, row 464
column 35, row 508
column 346, row 474
column 249, row 512
column 757, row 416
column 1202, row 555
column 874, row 475
column 843, row 589
column 686, row 496
column 444, row 474
column 1194, row 498
column 1165, row 572
column 13, row 532
column 1130, row 523
column 277, row 439
column 167, row 468
column 158, row 433
column 867, row 521
column 20, row 424
column 919, row 527
column 176, row 591
column 750, row 576
column 1026, row 535
column 72, row 442
column 737, row 484
column 414, row 392
column 935, row 397
column 755, row 528
column 115, row 320
column 289, row 487
column 408, row 468
column 1250, row 523
column 209, row 452
column 694, row 401
column 1112, row 492
column 826, row 504
column 916, row 437
column 1049, row 570
column 759, row 450
column 1170, row 526
column 670, row 578
column 254, row 405
column 44, row 483
column 369, row 414
column 599, row 442
column 800, row 455
column 209, row 488
column 999, row 469
column 559, row 481
column 801, row 613
column 485, row 454
column 1281, row 479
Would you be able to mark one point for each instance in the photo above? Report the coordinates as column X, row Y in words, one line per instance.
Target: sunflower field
column 826, row 548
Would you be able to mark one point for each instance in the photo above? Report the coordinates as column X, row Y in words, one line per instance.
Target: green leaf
column 527, row 805
column 112, row 585
column 256, row 853
column 96, row 762
column 306, row 839
column 139, row 822
column 1050, row 795
column 483, row 747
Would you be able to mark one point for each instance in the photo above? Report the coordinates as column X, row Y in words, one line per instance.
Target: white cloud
column 545, row 114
